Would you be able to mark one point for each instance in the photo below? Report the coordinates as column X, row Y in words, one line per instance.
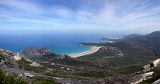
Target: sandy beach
column 92, row 50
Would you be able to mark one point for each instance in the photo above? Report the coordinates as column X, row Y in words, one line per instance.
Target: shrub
column 11, row 79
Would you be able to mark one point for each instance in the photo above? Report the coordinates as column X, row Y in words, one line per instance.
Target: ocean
column 58, row 43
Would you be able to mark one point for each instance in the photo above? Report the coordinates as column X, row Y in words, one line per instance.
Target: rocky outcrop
column 39, row 54
column 7, row 59
column 147, row 73
column 37, row 51
column 156, row 63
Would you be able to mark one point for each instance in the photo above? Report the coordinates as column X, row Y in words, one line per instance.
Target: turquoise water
column 59, row 43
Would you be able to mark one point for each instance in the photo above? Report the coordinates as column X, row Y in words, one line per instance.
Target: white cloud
column 120, row 15
column 22, row 5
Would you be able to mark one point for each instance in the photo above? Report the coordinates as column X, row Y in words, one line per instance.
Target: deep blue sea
column 59, row 43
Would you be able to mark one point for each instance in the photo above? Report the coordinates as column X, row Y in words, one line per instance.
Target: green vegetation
column 40, row 80
column 130, row 70
column 58, row 73
column 11, row 79
column 15, row 79
column 25, row 64
column 134, row 55
column 96, row 74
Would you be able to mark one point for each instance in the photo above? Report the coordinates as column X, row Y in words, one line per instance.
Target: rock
column 148, row 74
column 37, row 52
column 62, row 67
column 156, row 63
column 35, row 64
column 156, row 82
column 139, row 78
column 17, row 57
column 28, row 75
column 146, row 68
column 52, row 64
column 68, row 69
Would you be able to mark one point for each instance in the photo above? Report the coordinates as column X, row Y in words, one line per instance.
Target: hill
column 115, row 62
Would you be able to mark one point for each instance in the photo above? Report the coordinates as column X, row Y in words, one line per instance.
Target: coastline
column 90, row 51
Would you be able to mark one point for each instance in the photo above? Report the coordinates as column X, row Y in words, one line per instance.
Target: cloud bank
column 80, row 15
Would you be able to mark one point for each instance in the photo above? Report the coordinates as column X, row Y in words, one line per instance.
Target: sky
column 74, row 16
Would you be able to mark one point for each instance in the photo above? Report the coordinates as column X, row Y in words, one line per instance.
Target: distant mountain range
column 136, row 50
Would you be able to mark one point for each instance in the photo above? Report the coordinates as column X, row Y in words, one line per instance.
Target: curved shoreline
column 90, row 51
